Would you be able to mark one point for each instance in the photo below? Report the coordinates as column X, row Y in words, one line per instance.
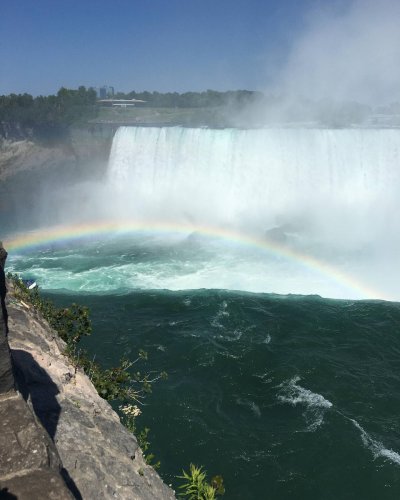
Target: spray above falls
column 279, row 210
column 328, row 183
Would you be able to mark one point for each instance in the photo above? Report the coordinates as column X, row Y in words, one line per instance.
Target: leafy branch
column 196, row 487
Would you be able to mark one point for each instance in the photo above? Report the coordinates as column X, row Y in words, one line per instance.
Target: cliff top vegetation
column 51, row 114
column 47, row 117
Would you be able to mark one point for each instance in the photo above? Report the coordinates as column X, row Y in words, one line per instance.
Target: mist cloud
column 347, row 54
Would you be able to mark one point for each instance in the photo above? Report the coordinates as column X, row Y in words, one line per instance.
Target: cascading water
column 291, row 395
column 306, row 211
column 329, row 194
column 254, row 177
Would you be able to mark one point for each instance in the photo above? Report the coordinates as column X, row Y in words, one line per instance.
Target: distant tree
column 49, row 115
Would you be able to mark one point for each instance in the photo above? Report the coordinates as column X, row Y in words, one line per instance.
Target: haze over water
column 236, row 257
column 279, row 210
column 295, row 395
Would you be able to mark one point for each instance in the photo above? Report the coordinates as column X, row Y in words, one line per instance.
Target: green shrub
column 118, row 383
column 70, row 323
column 196, row 487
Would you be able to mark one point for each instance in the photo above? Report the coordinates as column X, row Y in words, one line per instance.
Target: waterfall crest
column 258, row 178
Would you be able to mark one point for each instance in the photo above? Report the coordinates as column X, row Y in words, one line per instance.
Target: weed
column 196, row 487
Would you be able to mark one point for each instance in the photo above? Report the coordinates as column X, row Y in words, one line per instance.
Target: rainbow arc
column 62, row 235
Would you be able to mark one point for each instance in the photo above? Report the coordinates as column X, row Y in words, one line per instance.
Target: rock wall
column 33, row 175
column 100, row 458
column 30, row 466
column 24, row 154
column 21, row 152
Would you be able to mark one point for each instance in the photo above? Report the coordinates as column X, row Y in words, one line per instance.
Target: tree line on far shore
column 206, row 99
column 61, row 110
column 70, row 106
column 52, row 115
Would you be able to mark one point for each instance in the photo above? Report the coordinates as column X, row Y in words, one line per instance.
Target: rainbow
column 62, row 235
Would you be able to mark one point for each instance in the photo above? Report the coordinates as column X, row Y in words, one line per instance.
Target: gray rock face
column 29, row 446
column 82, row 146
column 29, row 463
column 22, row 155
column 43, row 484
column 6, row 375
column 101, row 459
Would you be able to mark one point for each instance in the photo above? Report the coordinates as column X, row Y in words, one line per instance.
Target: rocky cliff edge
column 83, row 439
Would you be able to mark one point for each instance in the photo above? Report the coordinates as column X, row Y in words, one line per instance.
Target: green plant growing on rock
column 118, row 383
column 144, row 443
column 130, row 413
column 196, row 487
column 71, row 323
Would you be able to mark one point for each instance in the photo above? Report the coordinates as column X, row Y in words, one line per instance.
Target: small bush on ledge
column 71, row 324
column 118, row 383
column 196, row 487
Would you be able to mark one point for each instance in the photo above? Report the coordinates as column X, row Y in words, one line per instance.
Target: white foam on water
column 295, row 394
column 221, row 314
column 315, row 404
column 376, row 447
column 329, row 195
column 264, row 377
column 225, row 267
column 313, row 188
column 251, row 405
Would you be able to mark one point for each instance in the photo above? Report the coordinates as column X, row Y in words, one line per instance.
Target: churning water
column 286, row 396
column 328, row 195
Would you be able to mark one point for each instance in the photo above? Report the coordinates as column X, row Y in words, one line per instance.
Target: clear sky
column 163, row 45
column 326, row 48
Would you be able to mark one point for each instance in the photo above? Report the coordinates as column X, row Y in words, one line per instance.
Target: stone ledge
column 101, row 460
column 6, row 373
column 29, row 463
column 25, row 445
column 38, row 484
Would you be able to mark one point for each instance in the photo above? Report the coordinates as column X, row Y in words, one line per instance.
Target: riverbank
column 17, row 156
column 80, row 147
column 99, row 458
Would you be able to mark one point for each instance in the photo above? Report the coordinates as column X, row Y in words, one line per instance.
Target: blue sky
column 163, row 45
column 340, row 49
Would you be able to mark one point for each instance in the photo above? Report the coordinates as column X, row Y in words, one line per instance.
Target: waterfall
column 250, row 177
column 270, row 210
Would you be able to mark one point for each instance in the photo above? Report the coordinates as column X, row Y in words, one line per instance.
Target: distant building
column 105, row 91
column 121, row 103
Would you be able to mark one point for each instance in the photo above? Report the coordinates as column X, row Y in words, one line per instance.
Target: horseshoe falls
column 256, row 178
column 260, row 270
column 325, row 199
